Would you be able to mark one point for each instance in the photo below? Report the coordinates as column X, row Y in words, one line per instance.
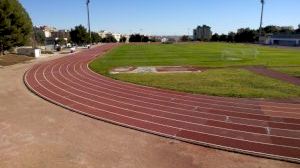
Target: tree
column 231, row 37
column 286, row 30
column 39, row 36
column 138, row 38
column 246, row 35
column 15, row 25
column 145, row 38
column 79, row 35
column 298, row 30
column 184, row 38
column 135, row 38
column 60, row 41
column 223, row 37
column 95, row 37
column 271, row 29
column 215, row 37
column 109, row 39
column 123, row 39
column 154, row 39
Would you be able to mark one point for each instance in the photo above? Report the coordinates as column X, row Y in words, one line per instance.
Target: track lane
column 59, row 81
column 87, row 90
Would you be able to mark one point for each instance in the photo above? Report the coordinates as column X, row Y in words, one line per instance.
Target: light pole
column 88, row 15
column 261, row 16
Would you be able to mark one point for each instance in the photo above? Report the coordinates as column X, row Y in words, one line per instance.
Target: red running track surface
column 261, row 128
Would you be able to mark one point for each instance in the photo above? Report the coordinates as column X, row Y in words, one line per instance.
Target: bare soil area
column 11, row 59
column 38, row 134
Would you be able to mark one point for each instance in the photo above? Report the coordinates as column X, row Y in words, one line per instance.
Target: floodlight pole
column 261, row 17
column 88, row 14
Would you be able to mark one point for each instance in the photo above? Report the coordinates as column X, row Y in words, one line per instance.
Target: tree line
column 16, row 29
column 247, row 35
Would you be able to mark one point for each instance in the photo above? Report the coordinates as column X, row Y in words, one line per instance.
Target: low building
column 47, row 30
column 104, row 34
column 282, row 39
column 202, row 33
column 164, row 40
column 62, row 34
column 117, row 36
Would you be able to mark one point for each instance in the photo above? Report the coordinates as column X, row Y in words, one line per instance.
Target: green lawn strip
column 293, row 71
column 221, row 82
column 218, row 82
column 197, row 54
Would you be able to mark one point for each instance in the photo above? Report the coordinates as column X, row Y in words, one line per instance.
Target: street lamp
column 261, row 17
column 88, row 15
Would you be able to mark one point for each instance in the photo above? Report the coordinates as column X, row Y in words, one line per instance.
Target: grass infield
column 226, row 81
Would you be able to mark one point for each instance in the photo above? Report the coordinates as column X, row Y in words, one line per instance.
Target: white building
column 164, row 40
column 104, row 34
column 117, row 36
column 47, row 30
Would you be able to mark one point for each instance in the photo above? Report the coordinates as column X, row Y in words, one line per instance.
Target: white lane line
column 168, row 135
column 162, row 92
column 175, row 103
column 134, row 110
column 268, row 130
column 227, row 117
column 276, row 122
column 147, row 92
column 98, row 86
column 135, row 105
column 197, row 141
column 289, row 147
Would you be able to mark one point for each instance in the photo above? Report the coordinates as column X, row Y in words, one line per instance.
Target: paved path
column 263, row 128
column 274, row 74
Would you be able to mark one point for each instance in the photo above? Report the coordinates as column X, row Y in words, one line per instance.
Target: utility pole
column 88, row 14
column 261, row 17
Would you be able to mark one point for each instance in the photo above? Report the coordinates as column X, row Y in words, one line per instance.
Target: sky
column 162, row 17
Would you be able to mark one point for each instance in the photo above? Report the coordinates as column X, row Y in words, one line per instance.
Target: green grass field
column 228, row 81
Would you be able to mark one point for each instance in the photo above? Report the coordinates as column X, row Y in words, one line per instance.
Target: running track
column 261, row 128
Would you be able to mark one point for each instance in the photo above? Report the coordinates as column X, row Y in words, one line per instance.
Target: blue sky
column 162, row 17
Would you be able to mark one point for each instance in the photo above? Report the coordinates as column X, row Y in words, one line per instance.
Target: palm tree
column 261, row 17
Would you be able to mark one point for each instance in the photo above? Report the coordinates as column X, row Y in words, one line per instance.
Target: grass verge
column 228, row 81
column 218, row 82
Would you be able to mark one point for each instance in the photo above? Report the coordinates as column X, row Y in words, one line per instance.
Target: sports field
column 224, row 77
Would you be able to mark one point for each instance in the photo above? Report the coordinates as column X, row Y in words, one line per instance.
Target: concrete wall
column 285, row 41
column 282, row 41
column 24, row 51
